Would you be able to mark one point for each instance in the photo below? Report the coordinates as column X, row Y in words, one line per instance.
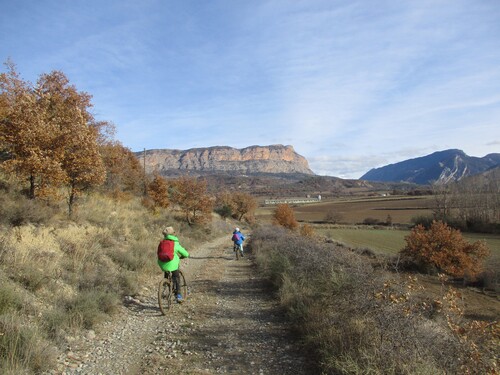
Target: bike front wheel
column 165, row 295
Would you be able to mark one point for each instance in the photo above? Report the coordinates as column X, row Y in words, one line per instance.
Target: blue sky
column 352, row 85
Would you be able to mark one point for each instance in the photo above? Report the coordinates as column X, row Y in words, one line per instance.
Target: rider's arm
column 183, row 253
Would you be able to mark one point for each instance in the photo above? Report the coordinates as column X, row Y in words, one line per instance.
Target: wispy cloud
column 351, row 85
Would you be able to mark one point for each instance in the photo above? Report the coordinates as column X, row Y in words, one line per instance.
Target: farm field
column 388, row 241
column 355, row 210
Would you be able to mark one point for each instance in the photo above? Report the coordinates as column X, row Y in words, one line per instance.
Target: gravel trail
column 230, row 324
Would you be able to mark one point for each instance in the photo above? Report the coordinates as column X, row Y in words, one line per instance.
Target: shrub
column 16, row 210
column 424, row 220
column 444, row 248
column 225, row 211
column 370, row 221
column 333, row 217
column 23, row 348
column 84, row 310
column 307, row 230
column 10, row 298
column 283, row 215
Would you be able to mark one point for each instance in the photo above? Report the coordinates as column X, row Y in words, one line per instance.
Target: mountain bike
column 166, row 291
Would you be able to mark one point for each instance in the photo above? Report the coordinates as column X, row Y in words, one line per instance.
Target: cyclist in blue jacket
column 238, row 239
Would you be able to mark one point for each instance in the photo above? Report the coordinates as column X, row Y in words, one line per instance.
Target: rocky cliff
column 275, row 159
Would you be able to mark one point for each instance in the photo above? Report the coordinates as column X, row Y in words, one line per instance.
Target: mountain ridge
column 440, row 167
column 252, row 160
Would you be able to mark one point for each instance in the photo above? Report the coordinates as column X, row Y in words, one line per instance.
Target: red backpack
column 166, row 250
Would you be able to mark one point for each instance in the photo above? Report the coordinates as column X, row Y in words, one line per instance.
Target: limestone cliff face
column 250, row 160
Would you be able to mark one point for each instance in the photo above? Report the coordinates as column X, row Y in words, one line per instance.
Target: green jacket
column 179, row 251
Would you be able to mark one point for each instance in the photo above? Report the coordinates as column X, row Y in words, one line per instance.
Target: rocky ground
column 230, row 324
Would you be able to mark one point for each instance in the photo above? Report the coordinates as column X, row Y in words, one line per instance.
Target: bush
column 10, row 298
column 283, row 215
column 16, row 210
column 307, row 230
column 84, row 310
column 22, row 348
column 333, row 217
column 444, row 248
column 371, row 221
column 424, row 220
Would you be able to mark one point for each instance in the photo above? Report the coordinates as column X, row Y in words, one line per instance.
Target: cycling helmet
column 168, row 230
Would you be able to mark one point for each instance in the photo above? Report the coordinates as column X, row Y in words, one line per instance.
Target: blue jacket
column 240, row 236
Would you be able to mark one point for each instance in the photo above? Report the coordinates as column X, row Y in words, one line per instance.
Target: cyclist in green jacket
column 173, row 265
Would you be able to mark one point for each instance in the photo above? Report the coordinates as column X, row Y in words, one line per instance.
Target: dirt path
column 229, row 324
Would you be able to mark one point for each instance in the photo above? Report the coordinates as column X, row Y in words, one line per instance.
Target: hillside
column 253, row 160
column 438, row 167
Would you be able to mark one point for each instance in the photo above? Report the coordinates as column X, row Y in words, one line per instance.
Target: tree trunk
column 71, row 200
column 32, row 187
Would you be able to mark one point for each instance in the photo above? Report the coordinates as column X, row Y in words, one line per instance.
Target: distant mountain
column 253, row 160
column 440, row 167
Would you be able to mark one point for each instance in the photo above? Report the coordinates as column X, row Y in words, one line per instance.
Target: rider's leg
column 241, row 249
column 177, row 282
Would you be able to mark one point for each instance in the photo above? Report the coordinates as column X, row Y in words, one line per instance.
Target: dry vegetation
column 59, row 276
column 356, row 317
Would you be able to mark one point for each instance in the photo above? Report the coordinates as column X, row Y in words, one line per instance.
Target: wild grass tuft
column 22, row 348
column 10, row 298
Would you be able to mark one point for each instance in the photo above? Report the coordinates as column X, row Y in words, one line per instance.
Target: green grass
column 385, row 241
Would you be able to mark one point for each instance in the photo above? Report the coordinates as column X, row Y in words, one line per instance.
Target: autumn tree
column 224, row 204
column 49, row 135
column 243, row 205
column 76, row 139
column 123, row 170
column 26, row 137
column 444, row 248
column 283, row 215
column 158, row 191
column 192, row 198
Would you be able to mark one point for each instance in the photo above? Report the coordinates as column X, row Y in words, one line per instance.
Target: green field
column 386, row 241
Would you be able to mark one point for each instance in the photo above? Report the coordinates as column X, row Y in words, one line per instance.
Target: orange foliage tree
column 283, row 215
column 244, row 205
column 123, row 170
column 158, row 191
column 446, row 249
column 76, row 141
column 49, row 135
column 26, row 137
column 192, row 198
column 224, row 204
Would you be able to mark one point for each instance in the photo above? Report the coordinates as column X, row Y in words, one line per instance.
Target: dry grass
column 64, row 276
column 357, row 319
